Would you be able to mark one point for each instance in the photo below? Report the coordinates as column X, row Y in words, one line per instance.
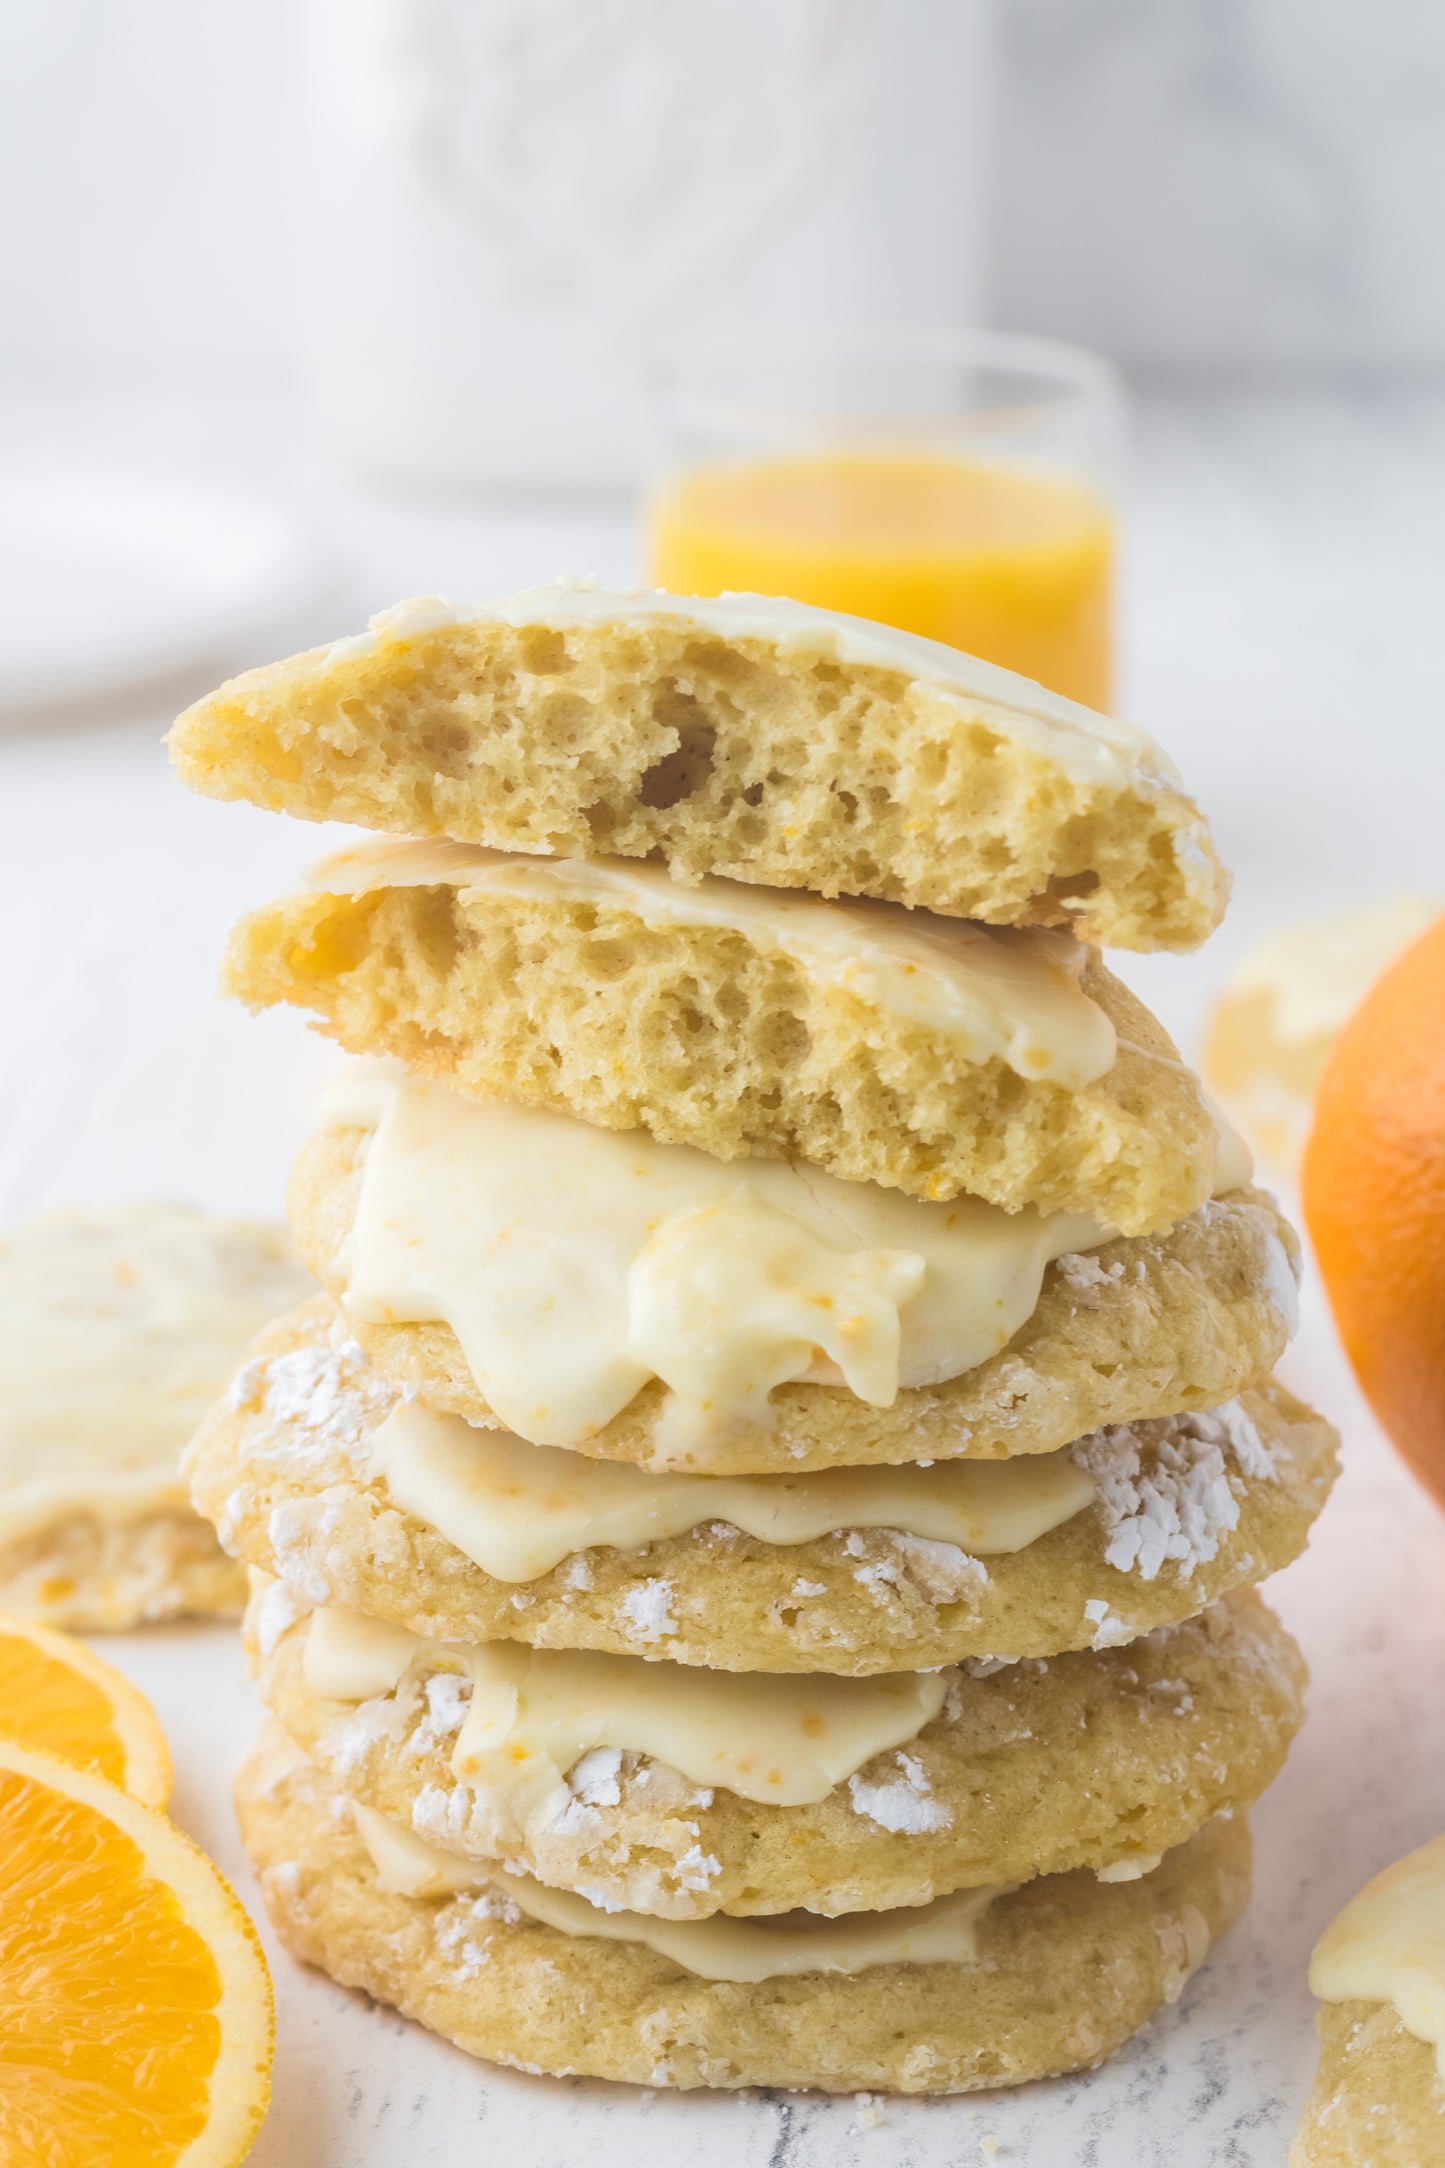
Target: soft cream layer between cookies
column 1099, row 1760
column 753, row 738
column 705, row 1037
column 1187, row 1509
column 1378, row 2100
column 1134, row 1328
column 1066, row 1968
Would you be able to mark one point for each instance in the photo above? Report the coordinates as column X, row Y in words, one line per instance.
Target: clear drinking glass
column 960, row 485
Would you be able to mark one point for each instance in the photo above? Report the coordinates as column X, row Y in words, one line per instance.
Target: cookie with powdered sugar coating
column 1102, row 1760
column 1186, row 1508
column 1065, row 1969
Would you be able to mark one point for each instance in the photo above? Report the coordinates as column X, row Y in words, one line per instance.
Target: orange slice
column 54, row 1694
column 136, row 2022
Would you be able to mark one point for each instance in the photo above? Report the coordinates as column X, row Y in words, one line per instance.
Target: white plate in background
column 113, row 580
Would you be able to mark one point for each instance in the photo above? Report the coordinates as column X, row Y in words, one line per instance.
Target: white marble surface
column 1288, row 560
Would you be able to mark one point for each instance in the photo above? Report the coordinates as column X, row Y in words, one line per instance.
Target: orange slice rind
column 59, row 1698
column 136, row 2015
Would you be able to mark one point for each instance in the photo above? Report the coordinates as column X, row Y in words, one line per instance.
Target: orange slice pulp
column 136, row 2017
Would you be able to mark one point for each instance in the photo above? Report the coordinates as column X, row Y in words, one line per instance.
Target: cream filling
column 517, row 1510
column 118, row 1328
column 941, row 1933
column 1388, row 1945
column 1090, row 747
column 532, row 1715
column 575, row 1263
column 993, row 992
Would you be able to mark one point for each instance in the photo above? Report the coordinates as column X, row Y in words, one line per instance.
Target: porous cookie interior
column 702, row 1037
column 767, row 759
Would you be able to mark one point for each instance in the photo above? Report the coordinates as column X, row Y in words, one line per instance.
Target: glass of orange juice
column 959, row 485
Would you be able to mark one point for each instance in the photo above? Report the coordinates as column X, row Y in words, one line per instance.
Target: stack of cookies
column 755, row 1544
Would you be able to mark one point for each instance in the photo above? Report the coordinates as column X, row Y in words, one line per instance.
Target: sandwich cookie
column 982, row 1988
column 683, row 1793
column 314, row 1471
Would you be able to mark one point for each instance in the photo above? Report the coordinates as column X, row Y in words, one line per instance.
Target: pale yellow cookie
column 1378, row 2100
column 117, row 1328
column 1272, row 1027
column 1189, row 1506
column 92, row 1574
column 749, row 737
column 708, row 1036
column 1064, row 1970
column 1090, row 1760
column 1141, row 1327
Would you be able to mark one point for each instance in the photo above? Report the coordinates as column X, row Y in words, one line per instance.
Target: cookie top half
column 749, row 737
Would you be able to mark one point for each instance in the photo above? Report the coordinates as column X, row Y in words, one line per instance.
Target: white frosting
column 994, row 992
column 517, row 1510
column 1318, row 974
column 744, row 1950
column 1388, row 1945
column 575, row 1263
column 1091, row 748
column 533, row 1714
column 118, row 1329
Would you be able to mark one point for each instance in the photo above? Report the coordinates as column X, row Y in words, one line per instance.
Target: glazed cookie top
column 745, row 736
column 308, row 1472
column 118, row 1327
column 643, row 1303
column 935, row 1782
column 1067, row 1966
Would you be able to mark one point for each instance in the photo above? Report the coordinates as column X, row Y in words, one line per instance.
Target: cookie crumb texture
column 703, row 1036
column 1378, row 2099
column 1068, row 1968
column 740, row 756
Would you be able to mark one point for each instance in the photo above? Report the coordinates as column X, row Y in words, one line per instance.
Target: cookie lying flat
column 1378, row 2099
column 879, row 1050
column 753, row 738
column 1062, row 1973
column 1091, row 1760
column 1136, row 1328
column 117, row 1329
column 1189, row 1507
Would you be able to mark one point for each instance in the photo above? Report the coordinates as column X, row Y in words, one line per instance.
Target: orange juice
column 1007, row 564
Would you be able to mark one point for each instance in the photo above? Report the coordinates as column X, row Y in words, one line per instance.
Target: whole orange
column 1374, row 1199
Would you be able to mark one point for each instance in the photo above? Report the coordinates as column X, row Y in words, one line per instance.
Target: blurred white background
column 1188, row 184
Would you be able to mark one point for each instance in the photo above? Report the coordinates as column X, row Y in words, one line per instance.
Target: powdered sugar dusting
column 904, row 1804
column 316, row 1404
column 1165, row 1490
column 1109, row 1632
column 648, row 1609
column 273, row 1613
